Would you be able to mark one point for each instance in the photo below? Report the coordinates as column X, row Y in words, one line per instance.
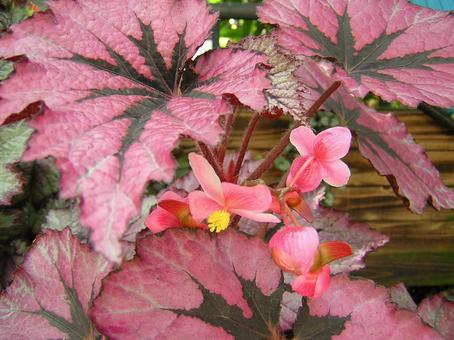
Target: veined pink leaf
column 52, row 290
column 190, row 285
column 336, row 226
column 385, row 142
column 390, row 47
column 371, row 312
column 120, row 90
column 438, row 312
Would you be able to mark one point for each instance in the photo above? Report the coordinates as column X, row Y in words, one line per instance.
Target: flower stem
column 285, row 139
column 208, row 154
column 228, row 125
column 244, row 144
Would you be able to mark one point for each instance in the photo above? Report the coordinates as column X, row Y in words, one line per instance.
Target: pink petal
column 332, row 144
column 201, row 205
column 336, row 173
column 256, row 198
column 160, row 220
column 310, row 178
column 297, row 243
column 207, row 177
column 255, row 216
column 303, row 139
column 312, row 284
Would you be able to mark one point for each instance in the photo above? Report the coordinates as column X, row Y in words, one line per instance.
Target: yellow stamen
column 218, row 221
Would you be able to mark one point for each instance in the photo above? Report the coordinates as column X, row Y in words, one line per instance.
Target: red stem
column 285, row 139
column 208, row 154
column 228, row 125
column 244, row 144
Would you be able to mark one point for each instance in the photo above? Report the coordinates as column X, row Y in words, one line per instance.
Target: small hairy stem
column 285, row 139
column 245, row 143
column 287, row 212
column 228, row 125
column 208, row 154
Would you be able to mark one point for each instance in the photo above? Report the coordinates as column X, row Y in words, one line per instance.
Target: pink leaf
column 336, row 226
column 52, row 290
column 372, row 314
column 384, row 140
column 190, row 285
column 390, row 47
column 438, row 312
column 120, row 89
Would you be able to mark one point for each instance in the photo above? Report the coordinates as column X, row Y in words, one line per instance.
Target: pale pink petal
column 256, row 216
column 332, row 144
column 207, row 177
column 336, row 173
column 311, row 176
column 299, row 243
column 303, row 139
column 201, row 205
column 160, row 219
column 256, row 198
column 322, row 283
column 312, row 284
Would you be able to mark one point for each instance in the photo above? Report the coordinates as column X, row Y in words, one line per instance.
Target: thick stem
column 245, row 143
column 208, row 154
column 325, row 95
column 285, row 140
column 228, row 125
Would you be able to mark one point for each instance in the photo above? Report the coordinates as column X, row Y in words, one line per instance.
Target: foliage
column 118, row 86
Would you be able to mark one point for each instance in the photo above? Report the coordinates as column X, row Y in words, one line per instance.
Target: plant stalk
column 208, row 154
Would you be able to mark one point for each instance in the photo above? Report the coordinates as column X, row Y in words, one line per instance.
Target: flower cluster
column 295, row 247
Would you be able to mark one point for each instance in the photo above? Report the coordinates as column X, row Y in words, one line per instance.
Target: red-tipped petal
column 207, row 177
column 304, row 211
column 177, row 208
column 160, row 219
column 329, row 252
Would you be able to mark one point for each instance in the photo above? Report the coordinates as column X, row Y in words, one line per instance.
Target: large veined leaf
column 13, row 141
column 384, row 140
column 120, row 89
column 52, row 291
column 390, row 47
column 372, row 315
column 189, row 285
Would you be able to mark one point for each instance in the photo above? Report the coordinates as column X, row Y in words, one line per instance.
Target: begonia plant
column 106, row 89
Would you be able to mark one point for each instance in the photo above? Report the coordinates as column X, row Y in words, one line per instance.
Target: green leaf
column 312, row 327
column 13, row 141
column 6, row 68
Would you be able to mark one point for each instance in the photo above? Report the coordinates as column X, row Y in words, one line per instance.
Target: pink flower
column 320, row 158
column 219, row 200
column 172, row 212
column 298, row 251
